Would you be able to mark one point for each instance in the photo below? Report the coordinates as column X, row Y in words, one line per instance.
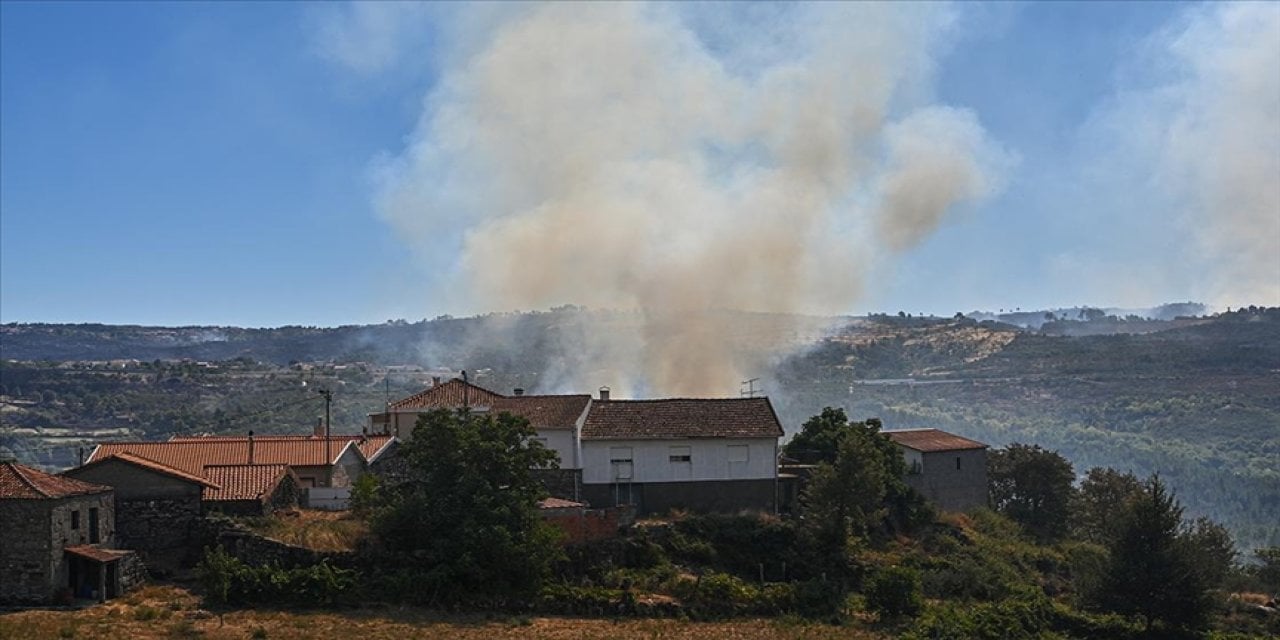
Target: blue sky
column 215, row 163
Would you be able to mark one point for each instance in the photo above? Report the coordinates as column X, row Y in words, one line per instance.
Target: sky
column 264, row 164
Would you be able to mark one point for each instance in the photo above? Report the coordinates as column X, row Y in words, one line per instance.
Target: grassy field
column 172, row 612
column 319, row 530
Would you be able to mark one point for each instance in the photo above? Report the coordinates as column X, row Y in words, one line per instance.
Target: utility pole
column 328, row 455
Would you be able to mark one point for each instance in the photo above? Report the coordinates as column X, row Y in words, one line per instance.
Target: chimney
column 604, row 393
column 318, row 432
column 435, row 381
column 519, row 391
column 250, row 447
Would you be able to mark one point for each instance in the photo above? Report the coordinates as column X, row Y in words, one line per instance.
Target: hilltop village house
column 655, row 455
column 58, row 536
column 949, row 470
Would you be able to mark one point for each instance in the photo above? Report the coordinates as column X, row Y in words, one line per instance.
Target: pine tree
column 1152, row 568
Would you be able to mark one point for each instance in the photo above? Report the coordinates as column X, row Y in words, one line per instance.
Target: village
column 139, row 508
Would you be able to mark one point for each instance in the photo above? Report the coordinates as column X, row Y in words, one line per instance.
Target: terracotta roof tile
column 145, row 463
column 544, row 412
column 369, row 445
column 559, row 503
column 193, row 454
column 928, row 440
column 20, row 482
column 243, row 481
column 681, row 418
column 448, row 395
column 97, row 554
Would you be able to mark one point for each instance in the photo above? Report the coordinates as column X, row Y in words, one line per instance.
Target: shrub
column 895, row 592
column 227, row 580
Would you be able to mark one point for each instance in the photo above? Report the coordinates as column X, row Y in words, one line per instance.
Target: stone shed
column 251, row 489
column 56, row 539
column 949, row 470
column 156, row 506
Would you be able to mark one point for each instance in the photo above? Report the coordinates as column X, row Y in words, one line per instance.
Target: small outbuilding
column 949, row 470
column 251, row 489
column 56, row 539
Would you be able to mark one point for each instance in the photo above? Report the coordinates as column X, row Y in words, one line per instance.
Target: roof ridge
column 128, row 455
column 22, row 476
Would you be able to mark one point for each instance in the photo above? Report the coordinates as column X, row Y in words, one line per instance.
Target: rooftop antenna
column 751, row 390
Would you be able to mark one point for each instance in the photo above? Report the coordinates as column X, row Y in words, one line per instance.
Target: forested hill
column 1194, row 398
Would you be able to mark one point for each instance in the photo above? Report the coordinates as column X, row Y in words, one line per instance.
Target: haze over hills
column 1190, row 396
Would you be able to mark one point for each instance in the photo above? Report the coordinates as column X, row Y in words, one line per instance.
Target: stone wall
column 950, row 485
column 254, row 549
column 159, row 529
column 706, row 496
column 588, row 525
column 25, row 567
column 561, row 483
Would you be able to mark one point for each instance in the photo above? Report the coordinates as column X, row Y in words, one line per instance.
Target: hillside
column 1192, row 398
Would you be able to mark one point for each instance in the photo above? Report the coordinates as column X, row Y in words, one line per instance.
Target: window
column 680, row 454
column 93, row 525
column 957, row 463
column 75, row 519
column 620, row 462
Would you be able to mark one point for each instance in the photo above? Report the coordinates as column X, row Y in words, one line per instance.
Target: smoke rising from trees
column 613, row 155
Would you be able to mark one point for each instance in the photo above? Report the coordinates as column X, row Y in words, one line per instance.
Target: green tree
column 1268, row 568
column 895, row 591
column 1032, row 486
column 1099, row 502
column 844, row 499
column 1152, row 568
column 819, row 437
column 1213, row 551
column 465, row 518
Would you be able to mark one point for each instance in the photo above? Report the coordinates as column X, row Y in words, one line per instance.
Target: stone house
column 949, row 470
column 251, row 490
column 56, row 539
column 156, row 505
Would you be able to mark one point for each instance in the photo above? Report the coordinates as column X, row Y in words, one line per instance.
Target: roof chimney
column 250, row 447
column 318, row 431
column 604, row 393
column 435, row 381
column 519, row 391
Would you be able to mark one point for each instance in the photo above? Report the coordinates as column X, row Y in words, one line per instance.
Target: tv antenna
column 751, row 390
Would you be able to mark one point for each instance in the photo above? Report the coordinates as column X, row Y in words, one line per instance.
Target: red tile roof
column 559, row 503
column 544, row 412
column 97, row 554
column 929, row 440
column 243, row 481
column 448, row 395
column 681, row 418
column 369, row 445
column 20, row 482
column 139, row 461
column 193, row 454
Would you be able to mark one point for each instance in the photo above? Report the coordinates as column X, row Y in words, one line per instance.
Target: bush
column 227, row 580
column 895, row 592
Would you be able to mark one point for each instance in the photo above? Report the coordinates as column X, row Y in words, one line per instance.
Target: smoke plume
column 683, row 161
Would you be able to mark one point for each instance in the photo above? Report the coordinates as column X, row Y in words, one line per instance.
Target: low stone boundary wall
column 255, row 549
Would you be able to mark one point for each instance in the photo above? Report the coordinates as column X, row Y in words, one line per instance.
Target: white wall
column 709, row 459
column 915, row 460
column 563, row 443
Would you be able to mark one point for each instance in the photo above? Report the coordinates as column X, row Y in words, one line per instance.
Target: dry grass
column 121, row 619
column 319, row 530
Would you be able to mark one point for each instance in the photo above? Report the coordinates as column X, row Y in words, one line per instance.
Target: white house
column 704, row 454
column 557, row 418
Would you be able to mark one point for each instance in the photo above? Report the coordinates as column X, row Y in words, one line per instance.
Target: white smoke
column 682, row 161
column 1194, row 134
